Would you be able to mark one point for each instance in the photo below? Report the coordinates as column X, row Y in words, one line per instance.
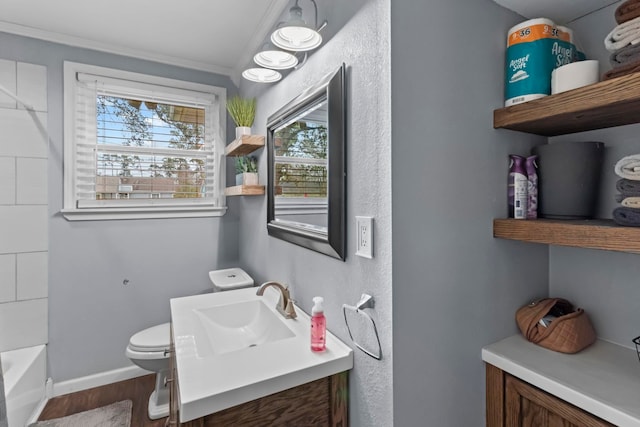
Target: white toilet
column 149, row 348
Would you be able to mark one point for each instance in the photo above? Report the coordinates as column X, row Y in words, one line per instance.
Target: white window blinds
column 140, row 145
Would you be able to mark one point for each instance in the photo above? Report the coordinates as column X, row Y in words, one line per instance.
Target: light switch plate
column 364, row 238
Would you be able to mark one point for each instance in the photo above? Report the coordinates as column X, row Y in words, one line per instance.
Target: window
column 139, row 146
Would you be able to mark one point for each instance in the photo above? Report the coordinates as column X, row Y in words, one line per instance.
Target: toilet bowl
column 149, row 348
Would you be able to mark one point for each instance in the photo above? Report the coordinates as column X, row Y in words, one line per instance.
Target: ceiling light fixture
column 261, row 75
column 272, row 57
column 293, row 36
column 296, row 34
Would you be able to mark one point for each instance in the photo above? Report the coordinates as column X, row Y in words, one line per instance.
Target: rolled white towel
column 631, row 202
column 624, row 34
column 628, row 167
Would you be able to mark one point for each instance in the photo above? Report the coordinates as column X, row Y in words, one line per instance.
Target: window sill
column 111, row 214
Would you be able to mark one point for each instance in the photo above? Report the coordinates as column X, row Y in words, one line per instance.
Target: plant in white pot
column 242, row 111
column 246, row 170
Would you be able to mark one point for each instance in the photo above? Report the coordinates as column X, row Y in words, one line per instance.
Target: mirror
column 307, row 169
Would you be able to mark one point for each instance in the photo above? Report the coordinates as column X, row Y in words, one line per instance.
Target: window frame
column 70, row 210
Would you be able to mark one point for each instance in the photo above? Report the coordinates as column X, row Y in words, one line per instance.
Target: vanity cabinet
column 515, row 403
column 529, row 385
column 320, row 403
column 605, row 104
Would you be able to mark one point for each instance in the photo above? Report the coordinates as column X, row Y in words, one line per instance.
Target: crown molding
column 68, row 40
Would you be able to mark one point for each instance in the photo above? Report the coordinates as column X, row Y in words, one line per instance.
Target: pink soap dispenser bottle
column 318, row 325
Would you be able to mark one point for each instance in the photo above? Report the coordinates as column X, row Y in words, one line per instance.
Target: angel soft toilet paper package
column 534, row 49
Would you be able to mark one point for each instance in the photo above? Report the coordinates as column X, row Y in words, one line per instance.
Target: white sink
column 233, row 347
column 238, row 326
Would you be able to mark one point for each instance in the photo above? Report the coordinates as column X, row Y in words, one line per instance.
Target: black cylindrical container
column 568, row 179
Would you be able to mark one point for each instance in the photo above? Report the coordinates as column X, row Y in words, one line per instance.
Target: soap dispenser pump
column 318, row 325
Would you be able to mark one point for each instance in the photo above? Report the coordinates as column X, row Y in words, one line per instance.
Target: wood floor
column 137, row 389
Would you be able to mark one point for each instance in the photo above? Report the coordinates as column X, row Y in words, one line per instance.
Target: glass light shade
column 275, row 59
column 298, row 38
column 261, row 75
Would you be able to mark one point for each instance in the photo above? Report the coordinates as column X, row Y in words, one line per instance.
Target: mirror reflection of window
column 300, row 174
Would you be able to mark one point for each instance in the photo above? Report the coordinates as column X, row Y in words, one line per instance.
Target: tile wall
column 23, row 207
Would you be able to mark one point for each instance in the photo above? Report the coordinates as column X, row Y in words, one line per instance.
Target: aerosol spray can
column 532, row 188
column 517, row 188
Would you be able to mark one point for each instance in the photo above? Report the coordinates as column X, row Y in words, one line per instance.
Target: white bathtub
column 24, row 372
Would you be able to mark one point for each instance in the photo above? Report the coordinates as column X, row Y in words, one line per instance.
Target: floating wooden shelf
column 601, row 105
column 244, row 145
column 593, row 234
column 244, row 190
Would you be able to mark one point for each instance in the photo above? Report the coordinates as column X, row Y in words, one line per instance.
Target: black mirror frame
column 333, row 243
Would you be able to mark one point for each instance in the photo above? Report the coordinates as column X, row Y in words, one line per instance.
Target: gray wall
column 358, row 35
column 455, row 288
column 91, row 314
column 604, row 283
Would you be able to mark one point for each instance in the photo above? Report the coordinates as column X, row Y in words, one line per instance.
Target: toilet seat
column 150, row 340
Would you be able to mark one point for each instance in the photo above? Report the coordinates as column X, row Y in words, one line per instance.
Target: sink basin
column 233, row 327
column 233, row 347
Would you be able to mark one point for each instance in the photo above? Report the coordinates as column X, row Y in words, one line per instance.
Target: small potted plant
column 242, row 111
column 246, row 170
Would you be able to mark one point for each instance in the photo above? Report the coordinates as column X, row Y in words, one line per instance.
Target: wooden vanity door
column 528, row 406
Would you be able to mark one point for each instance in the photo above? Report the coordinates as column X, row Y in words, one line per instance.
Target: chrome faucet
column 285, row 303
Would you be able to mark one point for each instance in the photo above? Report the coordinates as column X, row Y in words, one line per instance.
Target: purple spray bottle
column 532, row 188
column 517, row 188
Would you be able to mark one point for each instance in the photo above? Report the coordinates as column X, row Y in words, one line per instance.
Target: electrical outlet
column 364, row 239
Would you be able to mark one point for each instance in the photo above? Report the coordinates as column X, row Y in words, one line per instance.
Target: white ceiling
column 218, row 36
column 559, row 11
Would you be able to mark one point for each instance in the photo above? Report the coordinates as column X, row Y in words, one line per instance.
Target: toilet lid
column 155, row 338
column 229, row 279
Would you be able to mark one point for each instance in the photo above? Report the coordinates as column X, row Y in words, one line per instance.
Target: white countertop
column 603, row 379
column 208, row 383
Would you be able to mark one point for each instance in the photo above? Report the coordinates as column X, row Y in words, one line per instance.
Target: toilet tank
column 230, row 278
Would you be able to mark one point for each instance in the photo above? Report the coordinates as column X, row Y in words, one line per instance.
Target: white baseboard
column 96, row 380
column 36, row 413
